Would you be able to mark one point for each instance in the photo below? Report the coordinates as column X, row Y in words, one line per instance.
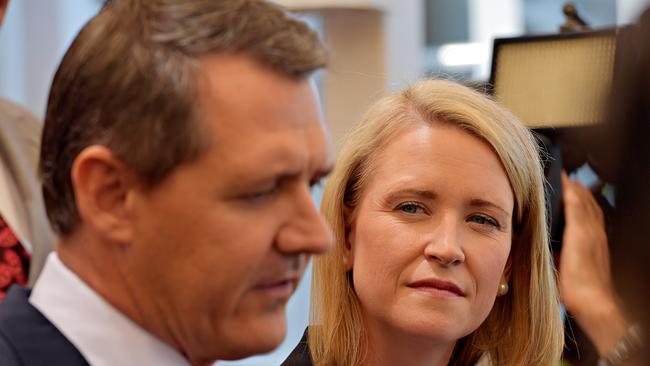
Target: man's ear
column 102, row 184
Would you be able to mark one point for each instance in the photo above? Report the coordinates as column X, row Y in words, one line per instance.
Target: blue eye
column 484, row 220
column 410, row 208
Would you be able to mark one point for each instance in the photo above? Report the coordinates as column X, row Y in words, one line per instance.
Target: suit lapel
column 35, row 340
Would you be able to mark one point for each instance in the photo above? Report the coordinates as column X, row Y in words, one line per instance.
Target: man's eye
column 484, row 220
column 259, row 196
column 410, row 208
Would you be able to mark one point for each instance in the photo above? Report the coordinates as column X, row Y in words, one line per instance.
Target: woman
column 441, row 253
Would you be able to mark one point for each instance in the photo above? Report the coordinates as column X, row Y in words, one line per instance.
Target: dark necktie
column 14, row 259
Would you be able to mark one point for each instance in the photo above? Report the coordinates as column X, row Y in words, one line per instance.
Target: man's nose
column 306, row 231
column 443, row 245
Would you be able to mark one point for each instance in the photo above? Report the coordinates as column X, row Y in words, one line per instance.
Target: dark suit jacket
column 27, row 338
column 300, row 356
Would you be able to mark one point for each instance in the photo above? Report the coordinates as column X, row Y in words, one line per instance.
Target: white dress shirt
column 101, row 333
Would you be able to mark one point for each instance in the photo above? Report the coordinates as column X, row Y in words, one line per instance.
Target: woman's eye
column 410, row 208
column 484, row 220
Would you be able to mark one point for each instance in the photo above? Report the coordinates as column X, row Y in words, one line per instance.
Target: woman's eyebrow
column 478, row 202
column 426, row 194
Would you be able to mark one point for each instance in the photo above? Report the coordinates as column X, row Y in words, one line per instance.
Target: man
column 180, row 142
column 23, row 225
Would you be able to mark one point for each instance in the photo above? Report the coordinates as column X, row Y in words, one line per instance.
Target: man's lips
column 435, row 284
column 280, row 286
column 276, row 283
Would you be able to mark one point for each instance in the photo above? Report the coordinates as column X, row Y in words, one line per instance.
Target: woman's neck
column 389, row 346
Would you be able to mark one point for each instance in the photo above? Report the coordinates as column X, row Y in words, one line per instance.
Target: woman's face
column 430, row 238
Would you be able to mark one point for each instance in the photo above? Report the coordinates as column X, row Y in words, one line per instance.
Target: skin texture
column 207, row 259
column 437, row 206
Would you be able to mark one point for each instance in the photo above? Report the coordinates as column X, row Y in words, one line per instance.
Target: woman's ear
column 505, row 277
column 507, row 270
column 348, row 250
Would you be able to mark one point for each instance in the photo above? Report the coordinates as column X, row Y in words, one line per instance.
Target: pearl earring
column 503, row 289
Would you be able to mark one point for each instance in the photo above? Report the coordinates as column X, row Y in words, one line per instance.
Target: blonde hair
column 524, row 326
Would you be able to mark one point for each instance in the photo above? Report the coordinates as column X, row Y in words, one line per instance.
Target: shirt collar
column 101, row 333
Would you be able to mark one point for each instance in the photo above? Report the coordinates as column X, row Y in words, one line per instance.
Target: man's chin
column 240, row 353
column 262, row 337
column 252, row 350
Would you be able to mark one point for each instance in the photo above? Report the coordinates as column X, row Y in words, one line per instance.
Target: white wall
column 628, row 11
column 33, row 39
column 12, row 54
column 493, row 19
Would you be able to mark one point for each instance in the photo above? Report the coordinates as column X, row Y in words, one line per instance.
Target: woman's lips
column 437, row 286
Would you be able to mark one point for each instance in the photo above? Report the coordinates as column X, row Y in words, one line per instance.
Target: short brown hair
column 129, row 82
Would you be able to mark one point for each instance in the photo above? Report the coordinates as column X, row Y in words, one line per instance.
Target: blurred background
column 376, row 46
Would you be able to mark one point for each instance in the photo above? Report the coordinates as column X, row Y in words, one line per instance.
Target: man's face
column 220, row 245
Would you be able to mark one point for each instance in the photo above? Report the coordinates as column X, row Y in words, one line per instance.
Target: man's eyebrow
column 477, row 202
column 289, row 175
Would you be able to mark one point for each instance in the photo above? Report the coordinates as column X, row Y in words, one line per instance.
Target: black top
column 27, row 338
column 300, row 356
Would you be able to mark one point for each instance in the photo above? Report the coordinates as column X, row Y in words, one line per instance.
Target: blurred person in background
column 180, row 145
column 586, row 281
column 25, row 234
column 441, row 254
column 609, row 295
